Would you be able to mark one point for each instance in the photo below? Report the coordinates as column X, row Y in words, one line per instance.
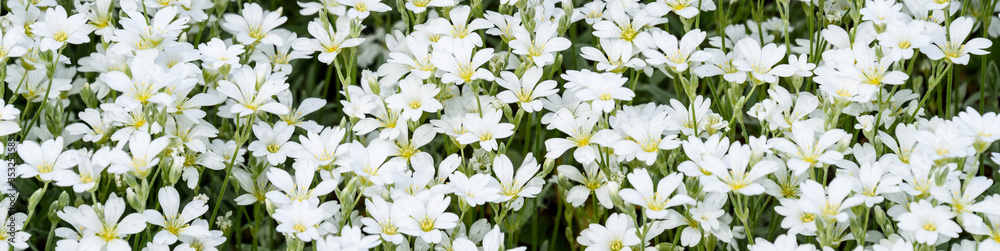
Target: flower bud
column 52, row 212
column 63, row 200
column 35, row 198
column 882, row 219
column 88, row 96
column 174, row 171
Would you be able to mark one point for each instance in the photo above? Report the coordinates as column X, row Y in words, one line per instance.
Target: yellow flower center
column 459, row 31
column 628, row 33
column 108, row 234
column 46, row 167
column 952, row 50
column 807, row 217
column 388, row 228
column 605, row 96
column 485, row 137
column 361, row 6
column 616, row 245
column 60, row 36
column 427, row 224
column 257, row 32
column 904, row 45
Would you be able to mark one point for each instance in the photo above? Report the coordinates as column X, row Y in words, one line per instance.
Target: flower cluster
column 543, row 124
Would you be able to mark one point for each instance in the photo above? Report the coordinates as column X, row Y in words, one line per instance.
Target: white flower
column 57, row 29
column 253, row 89
column 145, row 86
column 47, row 161
column 280, row 56
column 706, row 219
column 523, row 184
column 141, row 33
column 384, row 219
column 19, row 241
column 106, row 231
column 540, row 48
column 476, row 190
column 90, row 169
column 581, row 135
column 617, row 233
column 873, row 182
column 801, row 64
column 614, row 56
column 362, row 8
column 427, row 217
column 419, row 6
column 143, row 155
column 760, row 62
column 677, row 55
column 656, row 201
column 928, row 223
column 830, row 203
column 795, row 219
column 254, row 25
column 257, row 188
column 783, row 242
column 300, row 219
column 593, row 180
column 881, row 12
column 414, row 99
column 272, row 142
column 493, row 240
column 643, row 137
column 698, row 150
column 953, row 46
column 983, row 127
column 461, row 66
column 721, row 63
column 961, row 195
column 602, row 89
column 330, row 6
column 296, row 116
column 216, row 54
column 370, row 163
column 506, row 25
column 327, row 41
column 299, row 189
column 175, row 223
column 945, row 141
column 458, row 31
column 628, row 28
column 902, row 38
column 350, row 238
column 323, row 147
column 485, row 130
column 591, row 12
column 689, row 8
column 806, row 151
column 730, row 172
column 10, row 43
column 526, row 90
column 205, row 241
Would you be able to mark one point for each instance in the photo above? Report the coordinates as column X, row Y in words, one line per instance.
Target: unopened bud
column 35, row 198
column 63, row 200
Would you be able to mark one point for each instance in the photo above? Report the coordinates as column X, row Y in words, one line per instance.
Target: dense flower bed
column 510, row 125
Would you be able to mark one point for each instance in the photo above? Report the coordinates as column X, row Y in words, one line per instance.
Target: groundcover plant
column 499, row 125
